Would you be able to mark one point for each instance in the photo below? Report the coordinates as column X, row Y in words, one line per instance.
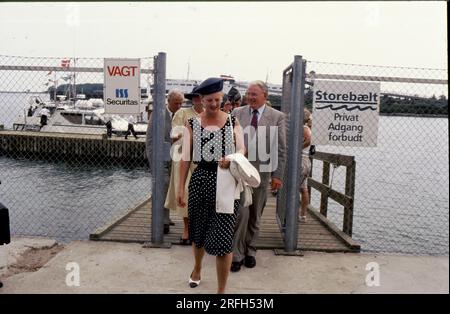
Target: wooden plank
column 325, row 181
column 313, row 235
column 352, row 244
column 48, row 144
column 327, row 245
column 99, row 232
column 336, row 159
column 317, row 236
column 350, row 191
column 119, row 234
column 324, row 240
column 342, row 199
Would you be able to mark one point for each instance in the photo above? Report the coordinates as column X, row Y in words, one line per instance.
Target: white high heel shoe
column 193, row 283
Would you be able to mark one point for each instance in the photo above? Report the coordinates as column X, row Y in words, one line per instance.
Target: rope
column 332, row 174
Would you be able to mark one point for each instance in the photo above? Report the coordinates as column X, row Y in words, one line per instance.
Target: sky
column 247, row 40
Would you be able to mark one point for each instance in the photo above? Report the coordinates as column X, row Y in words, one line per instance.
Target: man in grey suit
column 265, row 141
column 174, row 101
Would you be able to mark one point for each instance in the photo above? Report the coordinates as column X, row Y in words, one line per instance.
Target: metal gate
column 292, row 104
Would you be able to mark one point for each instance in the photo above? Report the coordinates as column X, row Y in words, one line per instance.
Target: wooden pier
column 317, row 234
column 72, row 146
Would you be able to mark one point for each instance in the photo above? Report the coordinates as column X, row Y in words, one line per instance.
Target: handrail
column 326, row 191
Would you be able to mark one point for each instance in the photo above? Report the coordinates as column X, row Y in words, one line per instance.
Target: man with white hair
column 175, row 99
column 259, row 119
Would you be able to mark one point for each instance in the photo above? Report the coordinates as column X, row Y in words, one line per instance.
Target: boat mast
column 187, row 79
column 68, row 88
column 55, row 84
column 74, row 78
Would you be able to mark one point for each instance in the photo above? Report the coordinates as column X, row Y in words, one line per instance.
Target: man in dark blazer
column 174, row 102
column 265, row 141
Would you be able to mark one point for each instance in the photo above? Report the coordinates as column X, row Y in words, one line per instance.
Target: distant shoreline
column 414, row 115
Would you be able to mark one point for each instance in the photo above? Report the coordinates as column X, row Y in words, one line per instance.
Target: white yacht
column 85, row 116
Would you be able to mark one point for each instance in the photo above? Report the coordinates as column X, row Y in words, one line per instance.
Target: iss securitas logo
column 121, row 93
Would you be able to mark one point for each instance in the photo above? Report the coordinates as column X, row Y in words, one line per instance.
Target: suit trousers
column 248, row 222
column 166, row 175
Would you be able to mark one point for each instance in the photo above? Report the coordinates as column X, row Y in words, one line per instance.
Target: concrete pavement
column 106, row 267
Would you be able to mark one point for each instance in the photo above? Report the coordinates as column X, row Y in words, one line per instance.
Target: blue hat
column 210, row 86
column 192, row 94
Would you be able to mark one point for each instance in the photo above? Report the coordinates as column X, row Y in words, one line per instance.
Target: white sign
column 122, row 93
column 345, row 113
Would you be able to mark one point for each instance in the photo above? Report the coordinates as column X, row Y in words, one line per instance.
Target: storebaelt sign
column 345, row 113
column 122, row 94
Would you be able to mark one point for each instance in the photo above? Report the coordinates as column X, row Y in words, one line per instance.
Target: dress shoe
column 236, row 266
column 1, row 284
column 185, row 241
column 166, row 229
column 193, row 283
column 250, row 262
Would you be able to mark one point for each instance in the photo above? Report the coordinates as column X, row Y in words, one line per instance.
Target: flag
column 50, row 72
column 65, row 63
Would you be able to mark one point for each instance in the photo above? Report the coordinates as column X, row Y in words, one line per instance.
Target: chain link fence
column 401, row 201
column 67, row 190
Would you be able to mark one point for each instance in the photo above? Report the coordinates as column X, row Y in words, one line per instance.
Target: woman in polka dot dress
column 209, row 137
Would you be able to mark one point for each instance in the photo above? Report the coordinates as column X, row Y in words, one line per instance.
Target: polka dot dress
column 207, row 228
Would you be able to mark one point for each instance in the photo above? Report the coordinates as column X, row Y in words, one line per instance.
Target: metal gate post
column 295, row 146
column 158, row 126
